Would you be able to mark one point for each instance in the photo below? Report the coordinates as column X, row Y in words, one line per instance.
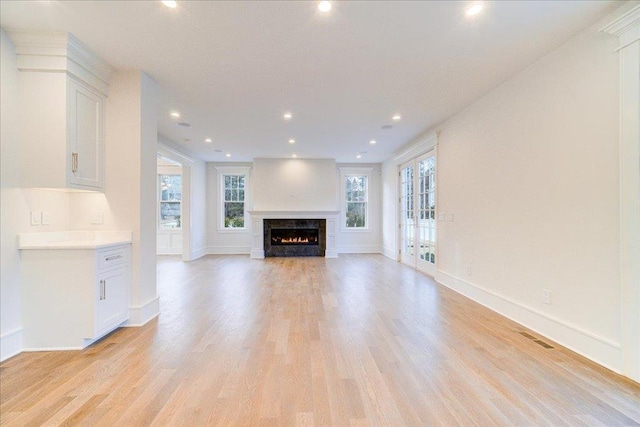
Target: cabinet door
column 85, row 137
column 112, row 300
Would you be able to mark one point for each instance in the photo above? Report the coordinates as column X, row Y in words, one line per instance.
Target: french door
column 418, row 213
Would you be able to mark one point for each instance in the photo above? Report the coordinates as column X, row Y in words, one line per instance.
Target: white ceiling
column 232, row 68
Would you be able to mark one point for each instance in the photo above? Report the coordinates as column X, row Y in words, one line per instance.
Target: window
column 233, row 202
column 356, row 201
column 170, row 198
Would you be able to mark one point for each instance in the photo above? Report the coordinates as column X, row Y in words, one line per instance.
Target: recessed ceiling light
column 373, row 141
column 396, row 117
column 292, row 141
column 175, row 114
column 170, row 3
column 324, row 6
column 294, row 155
column 228, row 154
column 359, row 156
column 287, row 116
column 208, row 140
column 184, row 125
column 474, row 9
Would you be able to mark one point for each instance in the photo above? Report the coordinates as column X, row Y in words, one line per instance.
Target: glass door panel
column 418, row 213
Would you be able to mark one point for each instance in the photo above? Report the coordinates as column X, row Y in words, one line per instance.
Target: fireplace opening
column 296, row 236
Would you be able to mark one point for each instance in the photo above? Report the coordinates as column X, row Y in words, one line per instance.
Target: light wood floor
column 359, row 340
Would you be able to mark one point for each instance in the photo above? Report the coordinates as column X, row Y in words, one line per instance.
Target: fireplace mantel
column 257, row 228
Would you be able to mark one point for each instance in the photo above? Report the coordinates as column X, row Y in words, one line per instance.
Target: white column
column 627, row 29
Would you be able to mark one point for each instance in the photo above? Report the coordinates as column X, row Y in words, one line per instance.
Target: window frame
column 355, row 171
column 159, row 200
column 223, row 171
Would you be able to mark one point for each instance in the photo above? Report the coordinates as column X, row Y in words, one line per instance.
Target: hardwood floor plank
column 358, row 340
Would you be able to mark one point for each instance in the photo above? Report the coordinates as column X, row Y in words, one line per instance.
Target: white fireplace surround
column 257, row 228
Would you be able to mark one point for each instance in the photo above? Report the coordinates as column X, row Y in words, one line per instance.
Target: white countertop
column 73, row 239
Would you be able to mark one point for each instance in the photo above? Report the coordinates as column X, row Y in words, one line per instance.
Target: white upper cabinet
column 63, row 90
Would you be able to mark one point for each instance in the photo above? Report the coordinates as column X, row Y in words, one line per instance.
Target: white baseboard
column 139, row 315
column 256, row 253
column 390, row 253
column 360, row 249
column 10, row 344
column 229, row 250
column 592, row 346
column 331, row 253
column 168, row 251
column 198, row 253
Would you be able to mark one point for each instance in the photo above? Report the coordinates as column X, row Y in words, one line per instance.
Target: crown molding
column 60, row 52
column 626, row 27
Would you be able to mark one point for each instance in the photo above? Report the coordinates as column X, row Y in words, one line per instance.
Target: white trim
column 10, row 344
column 229, row 250
column 169, row 251
column 390, row 253
column 198, row 253
column 170, row 153
column 627, row 28
column 601, row 350
column 354, row 171
column 416, row 148
column 60, row 52
column 37, row 349
column 140, row 315
column 232, row 170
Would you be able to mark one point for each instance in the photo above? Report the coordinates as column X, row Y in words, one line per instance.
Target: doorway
column 417, row 181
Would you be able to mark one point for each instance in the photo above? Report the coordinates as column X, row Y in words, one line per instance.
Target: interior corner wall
column 530, row 173
column 198, row 213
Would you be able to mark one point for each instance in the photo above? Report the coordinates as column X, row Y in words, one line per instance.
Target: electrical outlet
column 97, row 218
column 35, row 218
column 450, row 217
column 468, row 269
column 546, row 296
column 442, row 216
column 46, row 218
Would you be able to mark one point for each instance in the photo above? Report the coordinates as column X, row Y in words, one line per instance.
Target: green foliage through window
column 356, row 201
column 234, row 193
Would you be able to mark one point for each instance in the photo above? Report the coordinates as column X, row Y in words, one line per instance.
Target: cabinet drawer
column 112, row 258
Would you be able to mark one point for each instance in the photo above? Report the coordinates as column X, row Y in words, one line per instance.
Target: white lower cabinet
column 73, row 297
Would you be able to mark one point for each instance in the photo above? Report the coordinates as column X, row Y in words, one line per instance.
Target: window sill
column 233, row 230
column 355, row 230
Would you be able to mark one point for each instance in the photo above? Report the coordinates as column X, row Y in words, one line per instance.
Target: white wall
column 221, row 241
column 129, row 200
column 530, row 173
column 17, row 203
column 294, row 185
column 367, row 240
column 198, row 214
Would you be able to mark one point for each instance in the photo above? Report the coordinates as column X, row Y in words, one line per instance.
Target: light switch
column 450, row 217
column 46, row 218
column 35, row 218
column 97, row 218
column 442, row 216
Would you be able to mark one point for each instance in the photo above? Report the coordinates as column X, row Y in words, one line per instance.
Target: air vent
column 387, row 127
column 542, row 343
column 526, row 335
column 184, row 125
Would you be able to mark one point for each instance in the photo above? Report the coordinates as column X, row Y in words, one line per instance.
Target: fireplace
column 294, row 237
